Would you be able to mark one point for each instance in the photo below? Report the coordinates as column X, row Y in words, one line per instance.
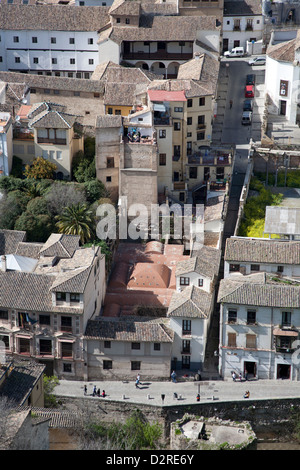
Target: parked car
column 248, row 105
column 250, row 79
column 235, row 52
column 246, row 118
column 257, row 61
column 249, row 91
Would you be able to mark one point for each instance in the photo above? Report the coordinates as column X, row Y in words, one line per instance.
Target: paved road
column 210, row 391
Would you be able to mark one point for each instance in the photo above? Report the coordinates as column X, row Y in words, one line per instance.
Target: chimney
column 3, row 263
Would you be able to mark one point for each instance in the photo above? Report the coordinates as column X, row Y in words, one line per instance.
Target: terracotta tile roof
column 262, row 251
column 192, row 302
column 108, row 120
column 72, row 281
column 50, row 115
column 52, row 83
column 258, row 290
column 21, row 380
column 53, row 17
column 285, row 51
column 206, row 263
column 242, row 7
column 9, row 241
column 162, row 28
column 30, row 250
column 60, row 245
column 164, row 95
column 128, row 330
column 125, row 7
column 149, row 275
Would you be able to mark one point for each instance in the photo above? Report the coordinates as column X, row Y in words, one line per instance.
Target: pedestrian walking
column 240, row 377
column 246, row 375
column 103, row 394
column 137, row 383
column 85, row 389
column 95, row 391
column 173, row 376
column 233, row 375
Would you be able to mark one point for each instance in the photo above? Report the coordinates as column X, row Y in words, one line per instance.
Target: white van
column 246, row 118
column 235, row 52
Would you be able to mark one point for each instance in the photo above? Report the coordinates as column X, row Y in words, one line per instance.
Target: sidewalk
column 210, row 391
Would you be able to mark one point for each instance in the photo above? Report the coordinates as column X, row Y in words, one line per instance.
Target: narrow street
column 229, row 130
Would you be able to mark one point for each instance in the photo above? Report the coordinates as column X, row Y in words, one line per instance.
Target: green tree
column 40, row 169
column 95, row 190
column 38, row 227
column 77, row 219
column 49, row 386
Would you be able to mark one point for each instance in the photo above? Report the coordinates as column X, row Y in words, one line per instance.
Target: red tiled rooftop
column 162, row 95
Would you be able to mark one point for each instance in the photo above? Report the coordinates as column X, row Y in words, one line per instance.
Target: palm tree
column 77, row 219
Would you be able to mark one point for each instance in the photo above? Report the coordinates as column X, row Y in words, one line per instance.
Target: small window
column 184, row 281
column 90, row 41
column 127, row 21
column 201, row 101
column 255, row 267
column 162, row 133
column 96, row 95
column 1, row 58
column 108, row 179
column 231, row 340
column 232, row 316
column 76, row 93
column 251, row 341
column 107, row 344
column 16, row 39
column 71, row 40
column 200, row 135
column 72, row 61
column 189, row 121
column 136, row 346
column 117, row 112
column 17, row 60
column 44, row 319
column 35, row 60
column 186, row 327
column 189, row 103
column 110, row 162
column 162, row 159
column 34, row 40
column 280, row 269
column 200, row 282
column 54, row 60
column 234, row 268
column 251, row 317
column 135, row 365
column 3, row 314
column 75, row 297
column 67, row 367
column 177, row 126
column 61, row 296
column 107, row 365
column 286, row 319
column 91, row 61
column 118, row 20
column 53, row 40
column 156, row 346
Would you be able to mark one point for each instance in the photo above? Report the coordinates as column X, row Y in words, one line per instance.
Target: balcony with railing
column 55, row 141
column 23, row 134
column 198, row 158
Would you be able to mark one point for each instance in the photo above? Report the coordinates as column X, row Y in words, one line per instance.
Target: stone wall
column 263, row 415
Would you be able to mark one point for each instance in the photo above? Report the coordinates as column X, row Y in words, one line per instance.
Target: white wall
column 44, row 50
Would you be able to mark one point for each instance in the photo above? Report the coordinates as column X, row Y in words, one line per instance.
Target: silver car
column 257, row 61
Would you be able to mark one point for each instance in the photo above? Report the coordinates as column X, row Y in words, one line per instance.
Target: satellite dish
column 24, row 101
column 17, row 118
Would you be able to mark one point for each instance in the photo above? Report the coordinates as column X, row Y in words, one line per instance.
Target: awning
column 159, row 107
column 279, row 332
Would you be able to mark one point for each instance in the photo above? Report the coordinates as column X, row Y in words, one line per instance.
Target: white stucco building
column 243, row 24
column 283, row 74
column 191, row 308
column 56, row 40
column 259, row 324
